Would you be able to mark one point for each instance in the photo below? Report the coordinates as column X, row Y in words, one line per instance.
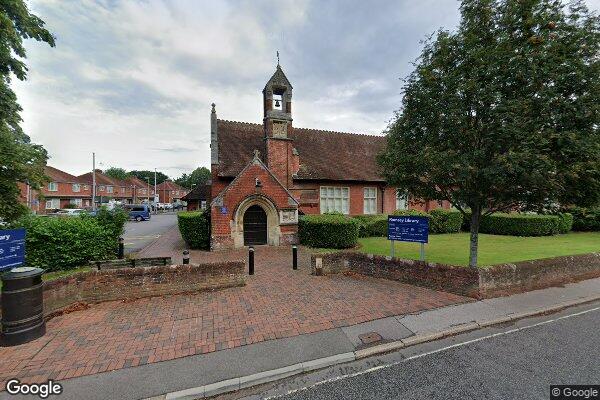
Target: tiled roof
column 324, row 155
column 170, row 185
column 200, row 192
column 102, row 179
column 56, row 175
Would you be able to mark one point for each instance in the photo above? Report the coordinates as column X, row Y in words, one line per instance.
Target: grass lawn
column 453, row 248
column 59, row 274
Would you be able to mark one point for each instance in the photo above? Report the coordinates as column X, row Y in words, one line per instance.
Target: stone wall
column 485, row 282
column 133, row 283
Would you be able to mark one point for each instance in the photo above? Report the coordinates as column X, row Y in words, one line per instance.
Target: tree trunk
column 475, row 218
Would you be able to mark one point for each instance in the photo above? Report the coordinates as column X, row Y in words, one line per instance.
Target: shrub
column 195, row 228
column 113, row 220
column 440, row 220
column 520, row 224
column 328, row 231
column 66, row 243
column 445, row 221
column 585, row 219
column 372, row 225
column 566, row 222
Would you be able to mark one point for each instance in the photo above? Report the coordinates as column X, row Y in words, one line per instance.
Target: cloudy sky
column 133, row 80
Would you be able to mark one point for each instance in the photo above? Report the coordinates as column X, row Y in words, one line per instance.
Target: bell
column 277, row 104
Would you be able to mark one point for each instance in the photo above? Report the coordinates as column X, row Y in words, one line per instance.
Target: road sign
column 408, row 228
column 12, row 248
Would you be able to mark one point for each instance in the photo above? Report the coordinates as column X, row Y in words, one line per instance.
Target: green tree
column 199, row 176
column 21, row 160
column 142, row 175
column 503, row 114
column 117, row 173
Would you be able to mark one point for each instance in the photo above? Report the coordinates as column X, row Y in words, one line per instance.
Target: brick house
column 198, row 198
column 63, row 189
column 265, row 175
column 170, row 192
column 131, row 190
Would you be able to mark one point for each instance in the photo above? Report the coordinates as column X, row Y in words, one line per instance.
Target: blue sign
column 408, row 228
column 12, row 248
column 224, row 210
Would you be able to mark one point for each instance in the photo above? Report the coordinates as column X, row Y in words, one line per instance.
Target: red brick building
column 264, row 175
column 170, row 192
column 198, row 198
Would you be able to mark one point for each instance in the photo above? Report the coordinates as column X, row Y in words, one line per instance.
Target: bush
column 195, row 228
column 566, row 222
column 66, row 243
column 585, row 219
column 328, row 231
column 372, row 225
column 440, row 220
column 113, row 221
column 520, row 224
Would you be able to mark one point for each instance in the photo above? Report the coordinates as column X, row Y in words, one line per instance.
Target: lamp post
column 155, row 194
column 94, row 181
column 148, row 192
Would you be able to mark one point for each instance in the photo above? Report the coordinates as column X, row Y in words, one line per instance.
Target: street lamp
column 148, row 193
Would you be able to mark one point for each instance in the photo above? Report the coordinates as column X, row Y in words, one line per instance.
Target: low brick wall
column 131, row 262
column 133, row 283
column 447, row 278
column 486, row 282
column 505, row 279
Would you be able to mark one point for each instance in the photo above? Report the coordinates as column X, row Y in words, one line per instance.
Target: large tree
column 199, row 176
column 145, row 174
column 117, row 173
column 20, row 160
column 504, row 113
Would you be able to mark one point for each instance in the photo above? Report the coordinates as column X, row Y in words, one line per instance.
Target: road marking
column 380, row 367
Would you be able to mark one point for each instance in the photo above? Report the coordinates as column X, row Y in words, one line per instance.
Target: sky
column 133, row 81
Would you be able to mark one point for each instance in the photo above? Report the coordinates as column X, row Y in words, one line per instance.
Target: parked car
column 67, row 212
column 138, row 212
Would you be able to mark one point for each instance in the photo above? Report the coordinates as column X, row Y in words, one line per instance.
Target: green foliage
column 372, row 225
column 566, row 222
column 521, row 224
column 198, row 177
column 112, row 220
column 195, row 228
column 145, row 174
column 65, row 243
column 585, row 219
column 21, row 160
column 440, row 220
column 328, row 231
column 117, row 173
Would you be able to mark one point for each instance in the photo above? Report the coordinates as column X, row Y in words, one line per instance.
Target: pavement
column 139, row 235
column 338, row 349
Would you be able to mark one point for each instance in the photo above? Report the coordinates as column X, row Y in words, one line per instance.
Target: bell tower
column 277, row 102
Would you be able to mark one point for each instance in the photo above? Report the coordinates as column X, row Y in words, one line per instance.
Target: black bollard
column 121, row 254
column 294, row 257
column 251, row 260
column 186, row 257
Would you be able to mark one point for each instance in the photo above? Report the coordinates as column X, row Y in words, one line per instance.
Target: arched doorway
column 255, row 226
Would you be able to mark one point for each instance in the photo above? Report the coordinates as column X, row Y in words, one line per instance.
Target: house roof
column 102, row 179
column 324, row 155
column 200, row 192
column 56, row 175
column 170, row 185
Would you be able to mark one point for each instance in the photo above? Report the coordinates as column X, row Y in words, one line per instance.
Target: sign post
column 12, row 248
column 409, row 228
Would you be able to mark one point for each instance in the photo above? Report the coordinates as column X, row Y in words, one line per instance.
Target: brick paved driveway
column 277, row 302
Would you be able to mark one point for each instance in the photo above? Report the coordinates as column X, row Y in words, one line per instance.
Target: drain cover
column 370, row 337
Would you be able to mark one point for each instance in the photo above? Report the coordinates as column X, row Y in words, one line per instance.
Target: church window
column 335, row 199
column 370, row 200
column 401, row 200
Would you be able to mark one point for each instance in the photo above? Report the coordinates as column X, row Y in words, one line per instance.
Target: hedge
column 585, row 219
column 113, row 221
column 66, row 243
column 372, row 225
column 566, row 222
column 440, row 220
column 328, row 231
column 520, row 224
column 195, row 228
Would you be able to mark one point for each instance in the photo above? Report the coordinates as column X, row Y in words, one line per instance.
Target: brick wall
column 131, row 283
column 486, row 282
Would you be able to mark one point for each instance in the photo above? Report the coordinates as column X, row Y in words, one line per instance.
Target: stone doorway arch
column 255, row 226
column 273, row 230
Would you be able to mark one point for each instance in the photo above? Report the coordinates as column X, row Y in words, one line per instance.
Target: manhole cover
column 370, row 337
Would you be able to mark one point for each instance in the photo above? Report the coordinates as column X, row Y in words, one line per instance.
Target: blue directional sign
column 408, row 228
column 12, row 248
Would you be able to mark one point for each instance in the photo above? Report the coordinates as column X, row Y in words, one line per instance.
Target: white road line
column 373, row 369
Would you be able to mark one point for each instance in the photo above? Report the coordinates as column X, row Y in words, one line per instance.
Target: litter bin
column 22, row 306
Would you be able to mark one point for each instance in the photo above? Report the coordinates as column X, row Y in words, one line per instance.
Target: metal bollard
column 251, row 260
column 294, row 257
column 121, row 253
column 186, row 257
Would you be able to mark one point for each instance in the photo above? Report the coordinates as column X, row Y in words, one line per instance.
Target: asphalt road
column 140, row 234
column 495, row 363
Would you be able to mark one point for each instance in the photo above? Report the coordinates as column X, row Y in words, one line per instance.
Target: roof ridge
column 303, row 129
